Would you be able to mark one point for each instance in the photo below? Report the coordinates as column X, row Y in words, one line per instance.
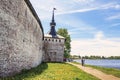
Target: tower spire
column 53, row 14
column 53, row 24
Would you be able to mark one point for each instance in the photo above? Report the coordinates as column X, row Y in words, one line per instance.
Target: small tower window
column 59, row 40
column 52, row 39
column 49, row 39
column 45, row 39
column 56, row 40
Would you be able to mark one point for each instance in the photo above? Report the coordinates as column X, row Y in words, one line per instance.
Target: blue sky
column 94, row 24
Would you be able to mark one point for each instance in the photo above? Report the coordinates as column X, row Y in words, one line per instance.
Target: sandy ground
column 96, row 73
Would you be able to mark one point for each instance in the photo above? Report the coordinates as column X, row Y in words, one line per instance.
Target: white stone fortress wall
column 21, row 37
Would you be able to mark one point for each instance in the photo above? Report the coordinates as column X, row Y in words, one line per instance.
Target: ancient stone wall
column 21, row 37
column 54, row 49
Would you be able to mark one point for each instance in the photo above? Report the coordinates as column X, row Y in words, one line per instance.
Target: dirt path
column 96, row 72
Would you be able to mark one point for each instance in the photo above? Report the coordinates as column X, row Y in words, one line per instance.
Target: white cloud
column 117, row 6
column 92, row 8
column 44, row 7
column 76, row 11
column 112, row 5
column 116, row 16
column 94, row 47
column 84, row 1
column 99, row 35
column 99, row 45
column 115, row 24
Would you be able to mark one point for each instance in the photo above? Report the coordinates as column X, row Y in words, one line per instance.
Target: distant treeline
column 94, row 57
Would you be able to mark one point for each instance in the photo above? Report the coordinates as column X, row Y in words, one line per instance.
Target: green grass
column 112, row 71
column 52, row 71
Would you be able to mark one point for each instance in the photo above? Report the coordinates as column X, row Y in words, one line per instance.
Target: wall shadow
column 33, row 72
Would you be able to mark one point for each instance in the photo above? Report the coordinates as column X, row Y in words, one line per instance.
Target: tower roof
column 53, row 24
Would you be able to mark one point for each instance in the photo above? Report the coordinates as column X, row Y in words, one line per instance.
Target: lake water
column 103, row 62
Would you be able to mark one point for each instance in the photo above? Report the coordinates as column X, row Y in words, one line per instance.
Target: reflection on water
column 103, row 62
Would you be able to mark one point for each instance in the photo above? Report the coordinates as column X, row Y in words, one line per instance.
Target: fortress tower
column 53, row 44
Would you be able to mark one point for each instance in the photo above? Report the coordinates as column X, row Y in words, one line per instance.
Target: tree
column 63, row 32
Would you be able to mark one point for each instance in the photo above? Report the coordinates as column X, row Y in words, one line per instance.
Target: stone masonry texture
column 21, row 37
column 53, row 49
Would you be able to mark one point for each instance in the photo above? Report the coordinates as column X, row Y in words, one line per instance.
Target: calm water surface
column 103, row 62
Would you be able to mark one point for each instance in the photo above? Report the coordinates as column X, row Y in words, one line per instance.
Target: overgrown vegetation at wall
column 52, row 71
column 63, row 32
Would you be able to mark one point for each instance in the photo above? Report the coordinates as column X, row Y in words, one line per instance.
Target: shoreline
column 108, row 63
column 96, row 72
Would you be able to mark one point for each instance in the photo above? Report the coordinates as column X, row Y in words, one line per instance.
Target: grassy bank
column 112, row 71
column 52, row 71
